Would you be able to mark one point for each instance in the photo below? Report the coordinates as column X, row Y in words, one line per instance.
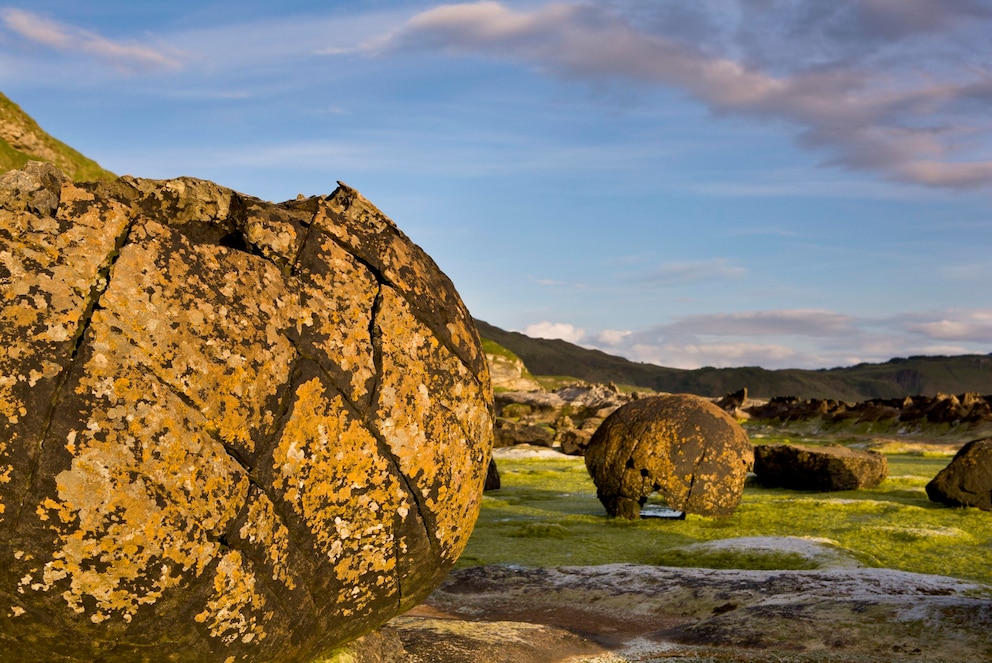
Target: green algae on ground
column 547, row 514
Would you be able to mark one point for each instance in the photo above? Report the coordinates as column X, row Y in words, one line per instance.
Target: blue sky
column 783, row 183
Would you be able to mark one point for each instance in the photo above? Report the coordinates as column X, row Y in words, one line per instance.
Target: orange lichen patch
column 168, row 292
column 145, row 493
column 264, row 528
column 343, row 291
column 329, row 470
column 235, row 610
column 436, row 421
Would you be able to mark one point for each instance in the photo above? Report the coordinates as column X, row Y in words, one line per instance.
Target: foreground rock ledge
column 230, row 430
column 625, row 612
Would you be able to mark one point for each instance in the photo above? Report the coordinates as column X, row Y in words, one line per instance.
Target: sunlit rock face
column 231, row 430
column 683, row 447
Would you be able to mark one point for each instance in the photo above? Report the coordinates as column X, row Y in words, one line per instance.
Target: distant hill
column 22, row 140
column 895, row 378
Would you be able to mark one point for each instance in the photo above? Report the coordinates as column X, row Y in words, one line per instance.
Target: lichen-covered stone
column 683, row 447
column 230, row 430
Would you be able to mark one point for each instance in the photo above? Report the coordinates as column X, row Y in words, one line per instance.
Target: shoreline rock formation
column 230, row 430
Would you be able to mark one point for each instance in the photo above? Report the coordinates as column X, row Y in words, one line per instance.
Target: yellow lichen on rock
column 235, row 611
column 437, row 446
column 145, row 496
column 329, row 469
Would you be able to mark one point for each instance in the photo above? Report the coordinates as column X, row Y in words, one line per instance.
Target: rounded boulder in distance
column 683, row 447
column 230, row 430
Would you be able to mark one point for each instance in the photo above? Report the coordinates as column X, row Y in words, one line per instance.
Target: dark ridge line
column 100, row 284
column 375, row 405
column 416, row 311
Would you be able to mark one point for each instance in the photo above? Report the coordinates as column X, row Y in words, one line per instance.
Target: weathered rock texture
column 229, row 430
column 565, row 418
column 683, row 447
column 652, row 613
column 967, row 480
column 818, row 468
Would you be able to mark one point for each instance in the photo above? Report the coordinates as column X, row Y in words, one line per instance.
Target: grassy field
column 547, row 514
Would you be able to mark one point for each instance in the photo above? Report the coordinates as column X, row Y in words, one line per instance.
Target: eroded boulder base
column 230, row 430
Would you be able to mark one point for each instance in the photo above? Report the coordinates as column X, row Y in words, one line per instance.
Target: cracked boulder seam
column 230, row 430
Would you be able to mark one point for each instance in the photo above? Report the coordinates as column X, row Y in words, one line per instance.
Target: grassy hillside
column 22, row 140
column 893, row 379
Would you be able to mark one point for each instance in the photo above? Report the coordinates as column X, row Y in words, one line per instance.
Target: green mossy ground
column 547, row 514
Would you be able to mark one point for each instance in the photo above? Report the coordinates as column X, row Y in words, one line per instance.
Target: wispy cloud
column 908, row 123
column 973, row 326
column 792, row 338
column 681, row 272
column 128, row 58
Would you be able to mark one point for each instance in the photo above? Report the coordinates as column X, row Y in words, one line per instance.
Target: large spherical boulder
column 230, row 430
column 683, row 447
column 967, row 480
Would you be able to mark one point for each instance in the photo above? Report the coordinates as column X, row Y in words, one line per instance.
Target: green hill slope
column 22, row 140
column 893, row 379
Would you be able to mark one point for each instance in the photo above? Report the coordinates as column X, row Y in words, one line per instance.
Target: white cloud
column 798, row 338
column 612, row 336
column 555, row 330
column 900, row 121
column 969, row 326
column 130, row 58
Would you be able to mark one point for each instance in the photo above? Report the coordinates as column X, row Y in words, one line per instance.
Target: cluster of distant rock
column 967, row 408
column 568, row 419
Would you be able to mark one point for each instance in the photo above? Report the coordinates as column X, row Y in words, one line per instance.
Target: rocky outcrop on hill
column 565, row 418
column 967, row 408
column 229, row 429
column 682, row 447
column 24, row 140
column 509, row 373
column 822, row 468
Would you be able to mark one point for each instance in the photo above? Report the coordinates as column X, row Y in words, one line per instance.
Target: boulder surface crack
column 100, row 284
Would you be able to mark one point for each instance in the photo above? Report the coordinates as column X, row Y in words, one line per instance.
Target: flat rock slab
column 826, row 468
column 646, row 613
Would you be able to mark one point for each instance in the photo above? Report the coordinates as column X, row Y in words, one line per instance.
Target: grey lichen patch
column 264, row 528
column 137, row 510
